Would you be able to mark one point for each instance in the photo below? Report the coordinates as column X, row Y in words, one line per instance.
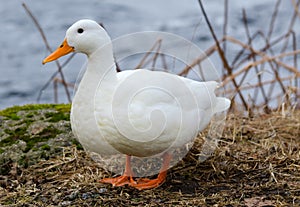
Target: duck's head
column 84, row 36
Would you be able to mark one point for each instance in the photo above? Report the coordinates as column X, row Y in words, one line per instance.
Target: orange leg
column 145, row 183
column 124, row 179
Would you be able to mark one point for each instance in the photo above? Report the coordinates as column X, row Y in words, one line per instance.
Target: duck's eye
column 80, row 30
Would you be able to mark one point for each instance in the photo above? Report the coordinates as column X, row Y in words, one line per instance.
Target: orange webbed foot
column 144, row 183
column 119, row 181
column 141, row 183
column 125, row 179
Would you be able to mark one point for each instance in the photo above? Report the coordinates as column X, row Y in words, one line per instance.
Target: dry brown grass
column 257, row 163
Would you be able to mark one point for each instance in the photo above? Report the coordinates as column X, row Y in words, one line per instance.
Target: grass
column 257, row 161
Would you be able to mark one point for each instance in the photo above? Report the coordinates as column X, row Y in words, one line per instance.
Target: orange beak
column 62, row 50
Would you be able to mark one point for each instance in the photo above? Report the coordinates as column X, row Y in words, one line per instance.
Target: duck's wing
column 155, row 87
column 141, row 94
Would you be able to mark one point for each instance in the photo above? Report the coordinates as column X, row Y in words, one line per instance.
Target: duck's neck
column 101, row 72
column 101, row 64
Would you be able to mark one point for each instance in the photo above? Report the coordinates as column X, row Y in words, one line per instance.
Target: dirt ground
column 257, row 163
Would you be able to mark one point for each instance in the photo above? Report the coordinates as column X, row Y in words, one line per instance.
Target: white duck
column 110, row 115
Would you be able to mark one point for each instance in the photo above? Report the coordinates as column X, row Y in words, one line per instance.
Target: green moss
column 34, row 142
column 20, row 134
column 27, row 121
column 12, row 112
column 77, row 144
column 44, row 155
column 5, row 166
column 45, row 147
column 57, row 116
column 63, row 108
column 23, row 161
column 30, row 115
column 34, row 149
column 48, row 133
column 14, row 117
column 15, row 135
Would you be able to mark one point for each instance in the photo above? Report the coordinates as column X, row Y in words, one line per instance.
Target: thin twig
column 254, row 59
column 38, row 99
column 264, row 83
column 117, row 64
column 236, row 63
column 274, row 15
column 263, row 60
column 225, row 25
column 48, row 47
column 295, row 5
column 223, row 58
column 268, row 58
column 197, row 61
column 292, row 23
column 295, row 65
column 144, row 59
column 37, row 26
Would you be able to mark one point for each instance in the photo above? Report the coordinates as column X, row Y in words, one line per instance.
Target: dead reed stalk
column 257, row 75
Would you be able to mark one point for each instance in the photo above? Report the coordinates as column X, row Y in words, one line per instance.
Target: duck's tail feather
column 222, row 104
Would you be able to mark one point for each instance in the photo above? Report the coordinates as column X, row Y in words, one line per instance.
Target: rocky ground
column 257, row 163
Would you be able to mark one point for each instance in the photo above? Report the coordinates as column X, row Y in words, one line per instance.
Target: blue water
column 22, row 49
